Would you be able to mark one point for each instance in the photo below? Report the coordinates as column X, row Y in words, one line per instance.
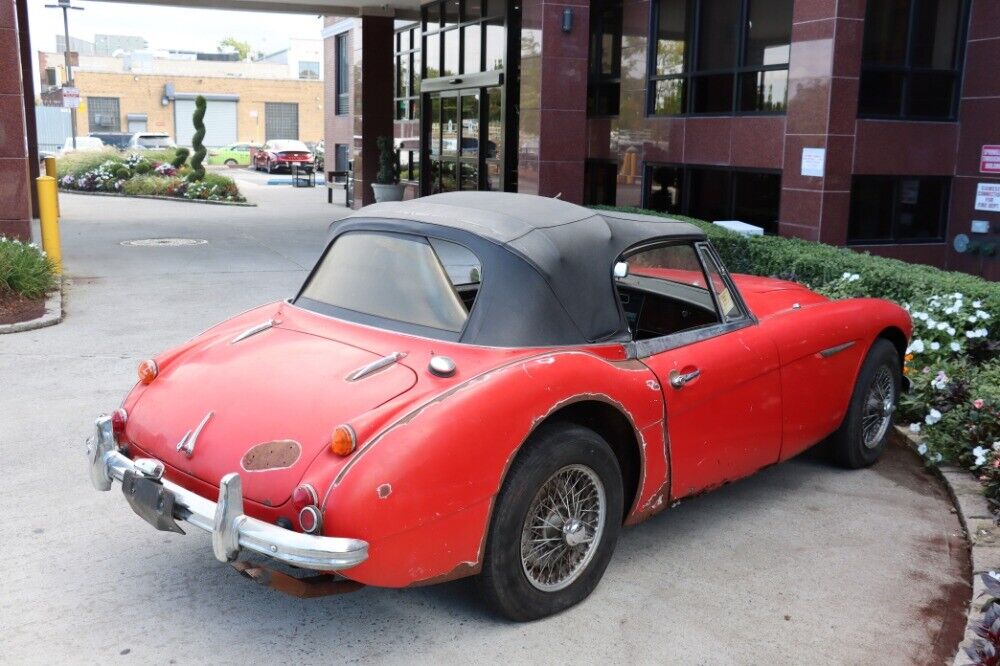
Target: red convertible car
column 283, row 154
column 491, row 384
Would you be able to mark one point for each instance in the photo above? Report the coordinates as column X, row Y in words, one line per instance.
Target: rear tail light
column 304, row 496
column 310, row 520
column 343, row 440
column 148, row 371
column 118, row 419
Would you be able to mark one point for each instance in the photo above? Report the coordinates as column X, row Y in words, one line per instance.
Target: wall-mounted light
column 567, row 22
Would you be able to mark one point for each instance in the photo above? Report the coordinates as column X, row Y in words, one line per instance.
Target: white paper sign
column 71, row 98
column 813, row 162
column 988, row 197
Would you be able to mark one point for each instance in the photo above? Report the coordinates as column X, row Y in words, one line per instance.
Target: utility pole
column 65, row 7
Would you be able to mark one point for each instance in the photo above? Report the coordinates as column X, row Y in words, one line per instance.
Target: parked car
column 83, row 144
column 318, row 149
column 492, row 384
column 235, row 154
column 119, row 140
column 151, row 141
column 282, row 154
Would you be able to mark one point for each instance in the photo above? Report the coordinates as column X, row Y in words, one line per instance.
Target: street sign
column 989, row 159
column 70, row 98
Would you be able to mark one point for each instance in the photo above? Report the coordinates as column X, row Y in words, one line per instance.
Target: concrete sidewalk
column 802, row 564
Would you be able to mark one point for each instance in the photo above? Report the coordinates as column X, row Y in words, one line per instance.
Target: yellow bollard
column 49, row 217
column 50, row 170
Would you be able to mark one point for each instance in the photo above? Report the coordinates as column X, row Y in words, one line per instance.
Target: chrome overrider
column 231, row 529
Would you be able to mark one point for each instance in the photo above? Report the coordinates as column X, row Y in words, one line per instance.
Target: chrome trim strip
column 253, row 330
column 830, row 351
column 231, row 529
column 375, row 366
column 644, row 348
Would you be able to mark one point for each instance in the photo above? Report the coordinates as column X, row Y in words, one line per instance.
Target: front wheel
column 555, row 524
column 231, row 163
column 862, row 436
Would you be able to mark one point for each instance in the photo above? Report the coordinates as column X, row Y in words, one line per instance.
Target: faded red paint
column 433, row 452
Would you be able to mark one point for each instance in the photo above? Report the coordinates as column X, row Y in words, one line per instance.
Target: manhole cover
column 164, row 242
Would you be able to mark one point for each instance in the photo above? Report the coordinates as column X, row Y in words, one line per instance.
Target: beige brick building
column 251, row 102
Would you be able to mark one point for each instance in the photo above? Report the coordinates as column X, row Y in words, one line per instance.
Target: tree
column 231, row 43
column 198, row 120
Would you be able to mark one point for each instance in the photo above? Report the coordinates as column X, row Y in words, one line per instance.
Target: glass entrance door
column 463, row 149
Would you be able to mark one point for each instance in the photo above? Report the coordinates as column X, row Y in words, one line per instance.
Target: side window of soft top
column 664, row 290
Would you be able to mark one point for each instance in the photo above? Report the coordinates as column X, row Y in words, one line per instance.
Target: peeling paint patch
column 267, row 456
column 384, row 490
column 653, row 384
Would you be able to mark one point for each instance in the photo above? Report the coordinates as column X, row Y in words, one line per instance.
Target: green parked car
column 235, row 154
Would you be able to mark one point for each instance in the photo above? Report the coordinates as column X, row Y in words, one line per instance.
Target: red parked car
column 283, row 154
column 492, row 384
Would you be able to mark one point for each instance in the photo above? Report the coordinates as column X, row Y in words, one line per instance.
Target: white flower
column 932, row 417
column 980, row 454
column 941, row 380
column 845, row 276
column 936, row 458
column 977, row 304
column 920, row 315
column 935, row 346
column 941, row 326
column 982, row 314
column 917, row 347
column 951, row 331
column 996, row 446
column 931, row 323
column 955, row 347
column 914, row 428
column 971, row 319
column 922, row 449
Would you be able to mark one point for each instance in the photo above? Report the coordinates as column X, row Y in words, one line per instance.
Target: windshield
column 290, row 146
column 154, row 141
column 397, row 277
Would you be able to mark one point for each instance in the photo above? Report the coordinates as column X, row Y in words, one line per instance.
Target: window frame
column 342, row 86
column 596, row 79
column 907, row 71
column 310, row 63
column 943, row 216
column 692, row 31
column 429, row 26
column 94, row 103
column 652, row 346
column 411, row 100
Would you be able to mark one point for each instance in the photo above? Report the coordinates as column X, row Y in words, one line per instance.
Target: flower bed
column 26, row 274
column 145, row 173
column 953, row 361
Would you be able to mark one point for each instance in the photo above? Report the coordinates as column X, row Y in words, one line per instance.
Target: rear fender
column 421, row 490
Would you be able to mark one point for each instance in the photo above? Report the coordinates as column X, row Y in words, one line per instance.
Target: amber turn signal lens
column 343, row 440
column 148, row 371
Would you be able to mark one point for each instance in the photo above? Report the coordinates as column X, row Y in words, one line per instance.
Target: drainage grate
column 164, row 242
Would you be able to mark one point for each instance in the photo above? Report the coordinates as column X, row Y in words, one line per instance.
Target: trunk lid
column 272, row 388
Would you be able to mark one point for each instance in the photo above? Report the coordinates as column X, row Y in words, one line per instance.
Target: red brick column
column 552, row 137
column 822, row 108
column 15, row 183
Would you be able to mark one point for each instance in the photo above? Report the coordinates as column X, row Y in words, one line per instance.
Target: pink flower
column 978, row 403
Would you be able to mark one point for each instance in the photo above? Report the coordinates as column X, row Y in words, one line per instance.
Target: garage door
column 220, row 122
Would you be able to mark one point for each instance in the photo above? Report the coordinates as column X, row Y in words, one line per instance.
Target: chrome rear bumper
column 231, row 529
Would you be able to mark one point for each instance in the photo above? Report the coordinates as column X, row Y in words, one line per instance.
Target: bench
column 332, row 183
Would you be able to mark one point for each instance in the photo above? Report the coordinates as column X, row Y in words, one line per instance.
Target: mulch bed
column 15, row 308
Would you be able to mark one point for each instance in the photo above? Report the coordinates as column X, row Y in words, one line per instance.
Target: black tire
column 270, row 169
column 848, row 444
column 231, row 163
column 554, row 448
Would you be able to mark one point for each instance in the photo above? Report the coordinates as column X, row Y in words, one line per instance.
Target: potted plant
column 386, row 186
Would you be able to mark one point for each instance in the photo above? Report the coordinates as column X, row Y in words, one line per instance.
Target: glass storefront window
column 432, row 56
column 472, row 40
column 898, row 209
column 450, row 49
column 495, row 45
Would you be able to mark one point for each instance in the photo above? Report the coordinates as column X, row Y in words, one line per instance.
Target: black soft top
column 547, row 264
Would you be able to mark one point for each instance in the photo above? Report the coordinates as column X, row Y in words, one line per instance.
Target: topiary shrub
column 123, row 173
column 180, row 157
column 198, row 119
column 388, row 162
column 142, row 168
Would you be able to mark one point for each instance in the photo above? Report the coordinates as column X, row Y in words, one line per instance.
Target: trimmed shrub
column 180, row 157
column 150, row 185
column 142, row 168
column 198, row 156
column 25, row 269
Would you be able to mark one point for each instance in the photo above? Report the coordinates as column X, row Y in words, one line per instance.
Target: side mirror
column 620, row 270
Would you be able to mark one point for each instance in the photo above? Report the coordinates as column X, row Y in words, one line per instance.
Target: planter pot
column 387, row 192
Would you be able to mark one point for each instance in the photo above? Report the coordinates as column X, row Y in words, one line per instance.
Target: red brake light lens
column 303, row 496
column 118, row 419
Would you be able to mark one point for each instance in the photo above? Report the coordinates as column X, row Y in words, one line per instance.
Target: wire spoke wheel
column 563, row 528
column 876, row 415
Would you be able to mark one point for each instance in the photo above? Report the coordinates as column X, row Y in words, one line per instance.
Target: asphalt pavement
column 801, row 564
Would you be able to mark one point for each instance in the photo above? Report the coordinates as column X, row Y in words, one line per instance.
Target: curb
column 245, row 204
column 53, row 315
column 981, row 532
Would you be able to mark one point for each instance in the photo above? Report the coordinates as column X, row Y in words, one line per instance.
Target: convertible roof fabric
column 547, row 264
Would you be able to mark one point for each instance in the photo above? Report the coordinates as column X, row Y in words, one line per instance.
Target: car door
column 717, row 370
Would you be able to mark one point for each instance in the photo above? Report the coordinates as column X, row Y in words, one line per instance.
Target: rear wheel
column 862, row 436
column 555, row 524
column 270, row 169
column 231, row 163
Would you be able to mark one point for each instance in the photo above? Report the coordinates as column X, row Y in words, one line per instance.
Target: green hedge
column 817, row 264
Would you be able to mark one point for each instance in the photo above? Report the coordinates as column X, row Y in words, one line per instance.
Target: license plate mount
column 150, row 501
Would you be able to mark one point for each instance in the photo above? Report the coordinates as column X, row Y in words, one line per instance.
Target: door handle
column 679, row 379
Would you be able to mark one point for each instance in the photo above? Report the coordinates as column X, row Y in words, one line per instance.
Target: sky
column 179, row 28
